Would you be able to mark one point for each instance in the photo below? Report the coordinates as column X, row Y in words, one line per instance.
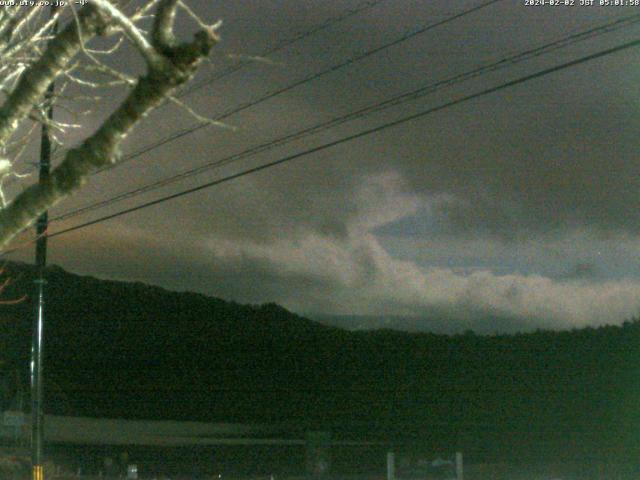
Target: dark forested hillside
column 134, row 351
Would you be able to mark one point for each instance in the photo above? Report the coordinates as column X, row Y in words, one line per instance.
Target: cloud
column 365, row 279
column 582, row 270
column 308, row 270
column 525, row 161
column 549, row 165
column 520, row 203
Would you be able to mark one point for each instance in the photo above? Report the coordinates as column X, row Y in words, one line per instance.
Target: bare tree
column 33, row 55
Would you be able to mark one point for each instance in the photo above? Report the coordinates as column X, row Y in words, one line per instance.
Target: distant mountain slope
column 437, row 322
column 129, row 350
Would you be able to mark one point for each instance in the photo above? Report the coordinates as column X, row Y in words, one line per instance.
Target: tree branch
column 101, row 149
column 130, row 30
column 36, row 79
column 162, row 31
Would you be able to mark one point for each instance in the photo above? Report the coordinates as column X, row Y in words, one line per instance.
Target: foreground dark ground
column 75, row 463
column 124, row 350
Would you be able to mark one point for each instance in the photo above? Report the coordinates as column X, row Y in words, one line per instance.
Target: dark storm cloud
column 582, row 271
column 514, row 167
column 479, row 210
column 318, row 274
column 551, row 155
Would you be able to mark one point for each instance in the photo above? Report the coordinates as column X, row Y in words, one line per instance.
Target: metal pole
column 391, row 466
column 459, row 466
column 37, row 343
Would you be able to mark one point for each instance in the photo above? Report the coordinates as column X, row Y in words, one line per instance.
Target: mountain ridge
column 128, row 350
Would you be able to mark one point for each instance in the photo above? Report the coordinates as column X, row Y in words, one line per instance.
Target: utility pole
column 37, row 342
column 37, row 352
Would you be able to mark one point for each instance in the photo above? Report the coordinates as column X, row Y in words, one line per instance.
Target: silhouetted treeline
column 130, row 350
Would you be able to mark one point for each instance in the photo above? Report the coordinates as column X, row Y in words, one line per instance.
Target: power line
column 280, row 46
column 286, row 43
column 307, row 79
column 394, row 101
column 361, row 134
column 373, row 51
column 189, row 130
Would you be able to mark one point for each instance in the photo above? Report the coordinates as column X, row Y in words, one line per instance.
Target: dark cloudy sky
column 520, row 205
